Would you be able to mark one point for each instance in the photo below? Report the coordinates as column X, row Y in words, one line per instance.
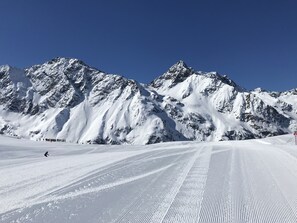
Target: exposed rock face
column 67, row 99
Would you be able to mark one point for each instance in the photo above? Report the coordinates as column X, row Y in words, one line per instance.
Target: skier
column 46, row 154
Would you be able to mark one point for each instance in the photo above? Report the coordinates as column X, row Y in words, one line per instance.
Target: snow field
column 239, row 181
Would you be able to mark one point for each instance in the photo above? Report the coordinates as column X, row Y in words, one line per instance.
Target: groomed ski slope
column 235, row 181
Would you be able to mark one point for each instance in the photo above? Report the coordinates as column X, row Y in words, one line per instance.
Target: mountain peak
column 66, row 60
column 179, row 66
column 5, row 68
column 63, row 98
column 176, row 73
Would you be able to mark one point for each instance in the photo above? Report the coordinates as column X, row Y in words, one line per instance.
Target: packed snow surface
column 233, row 181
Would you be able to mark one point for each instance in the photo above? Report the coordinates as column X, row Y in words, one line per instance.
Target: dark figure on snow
column 46, row 154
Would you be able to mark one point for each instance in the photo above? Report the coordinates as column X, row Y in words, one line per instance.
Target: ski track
column 186, row 204
column 206, row 183
column 154, row 193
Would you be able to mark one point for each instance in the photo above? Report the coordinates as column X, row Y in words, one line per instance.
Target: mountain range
column 68, row 100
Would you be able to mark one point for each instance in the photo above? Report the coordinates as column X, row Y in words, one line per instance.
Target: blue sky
column 254, row 42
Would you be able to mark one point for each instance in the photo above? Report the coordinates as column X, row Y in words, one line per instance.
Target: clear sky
column 254, row 42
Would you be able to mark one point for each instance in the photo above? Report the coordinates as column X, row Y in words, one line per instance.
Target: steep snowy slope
column 184, row 182
column 213, row 107
column 72, row 101
column 66, row 99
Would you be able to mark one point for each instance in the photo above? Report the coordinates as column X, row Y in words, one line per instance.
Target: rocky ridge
column 66, row 99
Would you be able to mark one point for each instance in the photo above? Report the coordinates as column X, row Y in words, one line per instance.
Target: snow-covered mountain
column 66, row 99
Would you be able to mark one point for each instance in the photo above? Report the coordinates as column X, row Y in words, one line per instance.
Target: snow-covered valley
column 231, row 181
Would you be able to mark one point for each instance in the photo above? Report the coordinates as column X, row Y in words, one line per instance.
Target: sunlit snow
column 234, row 181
